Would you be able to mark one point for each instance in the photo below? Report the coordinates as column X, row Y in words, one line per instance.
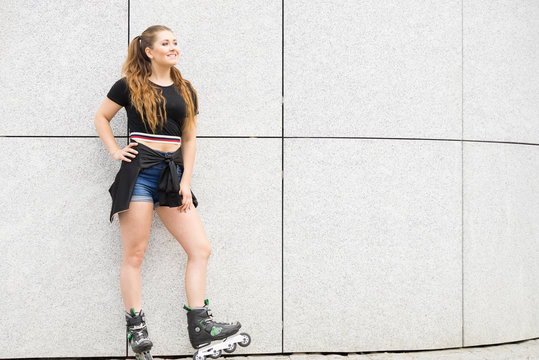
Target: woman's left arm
column 188, row 154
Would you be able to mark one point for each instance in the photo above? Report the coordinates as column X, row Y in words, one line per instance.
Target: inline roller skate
column 203, row 330
column 137, row 334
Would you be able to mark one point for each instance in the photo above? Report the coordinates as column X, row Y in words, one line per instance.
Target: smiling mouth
column 171, row 55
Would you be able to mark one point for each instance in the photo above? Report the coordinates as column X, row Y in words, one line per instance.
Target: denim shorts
column 146, row 185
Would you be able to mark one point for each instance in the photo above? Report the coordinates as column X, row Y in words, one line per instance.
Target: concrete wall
column 389, row 201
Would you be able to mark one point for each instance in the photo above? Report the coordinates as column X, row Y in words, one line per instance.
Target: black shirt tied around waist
column 168, row 185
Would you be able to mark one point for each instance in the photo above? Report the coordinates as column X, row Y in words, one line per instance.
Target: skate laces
column 137, row 336
column 136, row 332
column 209, row 316
column 210, row 319
column 137, row 327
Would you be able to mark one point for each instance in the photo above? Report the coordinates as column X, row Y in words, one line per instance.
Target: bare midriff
column 160, row 146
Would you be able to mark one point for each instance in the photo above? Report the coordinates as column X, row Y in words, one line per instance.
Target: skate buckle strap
column 137, row 327
column 205, row 324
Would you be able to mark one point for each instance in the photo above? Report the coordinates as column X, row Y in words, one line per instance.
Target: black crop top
column 175, row 113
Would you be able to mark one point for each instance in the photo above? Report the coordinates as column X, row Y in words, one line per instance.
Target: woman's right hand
column 121, row 154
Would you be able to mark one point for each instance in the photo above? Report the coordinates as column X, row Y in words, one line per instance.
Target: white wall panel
column 501, row 256
column 59, row 255
column 238, row 185
column 58, row 62
column 372, row 245
column 373, row 68
column 501, row 71
column 231, row 52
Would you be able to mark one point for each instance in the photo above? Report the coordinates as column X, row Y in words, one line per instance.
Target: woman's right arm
column 102, row 119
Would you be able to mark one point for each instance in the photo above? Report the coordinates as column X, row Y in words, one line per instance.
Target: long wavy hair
column 147, row 99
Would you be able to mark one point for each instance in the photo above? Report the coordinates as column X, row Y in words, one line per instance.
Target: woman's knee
column 200, row 252
column 134, row 257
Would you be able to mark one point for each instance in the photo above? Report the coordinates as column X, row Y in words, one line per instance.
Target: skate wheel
column 144, row 356
column 230, row 348
column 246, row 340
column 198, row 357
column 215, row 354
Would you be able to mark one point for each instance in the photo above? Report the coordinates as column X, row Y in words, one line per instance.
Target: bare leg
column 188, row 230
column 135, row 225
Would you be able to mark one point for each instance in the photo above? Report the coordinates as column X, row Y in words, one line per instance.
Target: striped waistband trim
column 155, row 138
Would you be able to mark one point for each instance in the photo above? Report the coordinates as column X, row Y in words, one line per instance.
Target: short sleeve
column 194, row 97
column 119, row 92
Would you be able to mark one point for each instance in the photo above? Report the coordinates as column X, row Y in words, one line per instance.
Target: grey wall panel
column 238, row 185
column 63, row 269
column 373, row 68
column 501, row 72
column 501, row 256
column 373, row 234
column 61, row 60
column 59, row 255
column 231, row 52
column 372, row 245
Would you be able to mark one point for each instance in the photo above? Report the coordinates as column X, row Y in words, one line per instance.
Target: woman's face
column 165, row 49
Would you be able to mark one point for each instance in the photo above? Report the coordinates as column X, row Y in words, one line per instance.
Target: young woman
column 155, row 173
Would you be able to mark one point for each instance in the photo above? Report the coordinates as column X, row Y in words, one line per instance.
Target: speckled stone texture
column 231, row 51
column 501, row 252
column 238, row 185
column 372, row 251
column 501, row 76
column 393, row 233
column 373, row 68
column 62, row 59
column 59, row 255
